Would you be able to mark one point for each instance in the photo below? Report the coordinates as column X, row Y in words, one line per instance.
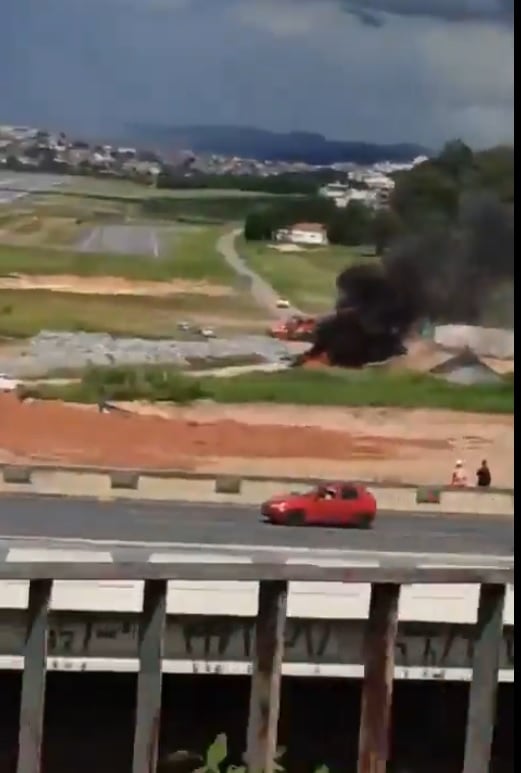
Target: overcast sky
column 376, row 70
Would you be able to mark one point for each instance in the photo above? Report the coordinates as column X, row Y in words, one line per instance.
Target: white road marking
column 437, row 560
column 17, row 555
column 208, row 558
column 340, row 562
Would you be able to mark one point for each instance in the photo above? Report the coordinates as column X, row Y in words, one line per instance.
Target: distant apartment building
column 342, row 195
column 388, row 167
column 309, row 234
column 335, row 191
column 17, row 133
column 372, row 179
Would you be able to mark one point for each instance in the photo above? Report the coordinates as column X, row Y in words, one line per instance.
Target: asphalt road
column 263, row 293
column 229, row 525
column 122, row 239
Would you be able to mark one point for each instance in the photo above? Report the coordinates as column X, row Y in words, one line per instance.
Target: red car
column 331, row 504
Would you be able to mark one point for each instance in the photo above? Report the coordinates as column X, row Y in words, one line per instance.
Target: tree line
column 435, row 195
column 285, row 183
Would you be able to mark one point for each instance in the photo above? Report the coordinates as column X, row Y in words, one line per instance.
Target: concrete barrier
column 176, row 485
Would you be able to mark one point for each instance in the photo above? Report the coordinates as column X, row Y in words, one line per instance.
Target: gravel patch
column 50, row 351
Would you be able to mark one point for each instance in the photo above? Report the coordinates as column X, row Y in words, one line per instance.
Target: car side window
column 349, row 492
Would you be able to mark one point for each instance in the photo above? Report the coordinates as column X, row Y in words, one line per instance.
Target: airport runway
column 123, row 240
column 16, row 185
column 50, row 521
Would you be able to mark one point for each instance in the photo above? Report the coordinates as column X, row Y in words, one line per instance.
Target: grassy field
column 117, row 188
column 137, row 201
column 194, row 255
column 24, row 313
column 303, row 387
column 42, row 221
column 305, row 278
column 189, row 253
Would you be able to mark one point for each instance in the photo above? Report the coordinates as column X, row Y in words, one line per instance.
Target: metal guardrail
column 169, row 485
column 268, row 651
column 21, row 473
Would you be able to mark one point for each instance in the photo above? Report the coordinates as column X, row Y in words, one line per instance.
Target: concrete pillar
column 483, row 689
column 33, row 680
column 266, row 676
column 377, row 690
column 148, row 703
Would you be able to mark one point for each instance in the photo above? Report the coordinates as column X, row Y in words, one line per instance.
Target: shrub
column 148, row 382
column 215, row 761
column 337, row 387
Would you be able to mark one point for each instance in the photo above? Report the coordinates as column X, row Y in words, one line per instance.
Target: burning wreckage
column 376, row 308
column 449, row 274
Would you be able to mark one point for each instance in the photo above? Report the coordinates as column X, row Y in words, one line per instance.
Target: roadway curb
column 234, row 503
column 106, row 484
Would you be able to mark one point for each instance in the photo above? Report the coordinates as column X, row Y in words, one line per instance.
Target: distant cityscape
column 33, row 149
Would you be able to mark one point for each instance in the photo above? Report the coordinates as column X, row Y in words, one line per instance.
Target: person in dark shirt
column 483, row 475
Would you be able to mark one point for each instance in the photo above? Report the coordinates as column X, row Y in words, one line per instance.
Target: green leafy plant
column 215, row 760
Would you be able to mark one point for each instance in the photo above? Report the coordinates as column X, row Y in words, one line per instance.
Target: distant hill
column 266, row 145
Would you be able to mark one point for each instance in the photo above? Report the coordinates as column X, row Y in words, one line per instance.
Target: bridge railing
column 268, row 650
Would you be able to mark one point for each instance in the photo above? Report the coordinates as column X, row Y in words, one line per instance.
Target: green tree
column 424, row 194
column 495, row 171
column 387, row 226
column 261, row 223
column 457, row 160
column 259, row 226
column 352, row 225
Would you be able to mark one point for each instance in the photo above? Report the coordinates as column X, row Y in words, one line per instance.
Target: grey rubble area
column 49, row 351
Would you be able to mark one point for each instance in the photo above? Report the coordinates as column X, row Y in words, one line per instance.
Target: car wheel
column 295, row 518
column 365, row 521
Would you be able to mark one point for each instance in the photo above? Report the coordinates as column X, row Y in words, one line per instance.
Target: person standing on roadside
column 483, row 476
column 459, row 476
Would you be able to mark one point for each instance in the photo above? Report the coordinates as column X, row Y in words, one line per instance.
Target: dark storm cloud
column 381, row 70
column 374, row 12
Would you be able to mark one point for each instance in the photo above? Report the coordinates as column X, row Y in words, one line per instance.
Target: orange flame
column 322, row 361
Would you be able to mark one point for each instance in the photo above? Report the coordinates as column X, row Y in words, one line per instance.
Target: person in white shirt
column 459, row 476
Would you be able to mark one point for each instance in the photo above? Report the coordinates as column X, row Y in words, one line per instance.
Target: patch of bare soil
column 386, row 444
column 112, row 286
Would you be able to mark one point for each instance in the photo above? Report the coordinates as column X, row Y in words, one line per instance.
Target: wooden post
column 33, row 681
column 148, row 708
column 377, row 690
column 266, row 676
column 485, row 666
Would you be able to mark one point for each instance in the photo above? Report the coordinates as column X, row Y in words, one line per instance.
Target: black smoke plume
column 375, row 309
column 446, row 274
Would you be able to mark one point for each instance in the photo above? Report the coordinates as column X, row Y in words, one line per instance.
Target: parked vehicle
column 330, row 504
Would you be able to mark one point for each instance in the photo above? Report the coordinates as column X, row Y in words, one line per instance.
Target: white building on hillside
column 334, row 191
column 375, row 193
column 372, row 179
column 312, row 234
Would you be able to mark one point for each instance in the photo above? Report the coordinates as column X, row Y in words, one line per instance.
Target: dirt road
column 387, row 444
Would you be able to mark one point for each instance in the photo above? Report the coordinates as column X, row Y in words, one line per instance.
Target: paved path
column 122, row 239
column 264, row 294
column 234, row 527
